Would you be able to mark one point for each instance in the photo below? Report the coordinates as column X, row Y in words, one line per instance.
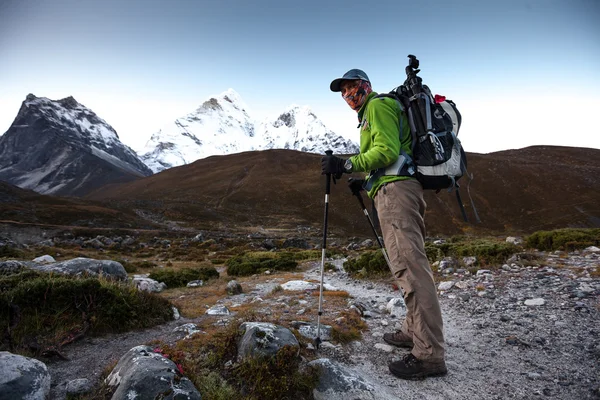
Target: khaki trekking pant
column 401, row 208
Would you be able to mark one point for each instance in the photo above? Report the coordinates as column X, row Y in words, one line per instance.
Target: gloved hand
column 356, row 185
column 332, row 165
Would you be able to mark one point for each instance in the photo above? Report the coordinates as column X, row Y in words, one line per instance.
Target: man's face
column 347, row 87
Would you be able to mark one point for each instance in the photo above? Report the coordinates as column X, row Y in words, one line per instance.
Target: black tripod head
column 413, row 62
column 413, row 82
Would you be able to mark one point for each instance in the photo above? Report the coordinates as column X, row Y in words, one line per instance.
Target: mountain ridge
column 513, row 191
column 223, row 125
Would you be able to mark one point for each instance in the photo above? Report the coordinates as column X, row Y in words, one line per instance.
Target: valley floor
column 521, row 332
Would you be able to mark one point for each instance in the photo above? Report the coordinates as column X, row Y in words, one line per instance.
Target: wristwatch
column 348, row 166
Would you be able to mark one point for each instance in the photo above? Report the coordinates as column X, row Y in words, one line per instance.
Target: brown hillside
column 28, row 207
column 516, row 191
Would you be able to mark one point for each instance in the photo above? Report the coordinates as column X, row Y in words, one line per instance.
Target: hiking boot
column 399, row 339
column 412, row 368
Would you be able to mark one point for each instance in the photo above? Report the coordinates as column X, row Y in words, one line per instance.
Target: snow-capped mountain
column 224, row 125
column 298, row 128
column 218, row 126
column 61, row 147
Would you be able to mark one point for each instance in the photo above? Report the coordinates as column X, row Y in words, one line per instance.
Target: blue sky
column 521, row 72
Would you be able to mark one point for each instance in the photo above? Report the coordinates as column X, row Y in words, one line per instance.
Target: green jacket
column 381, row 120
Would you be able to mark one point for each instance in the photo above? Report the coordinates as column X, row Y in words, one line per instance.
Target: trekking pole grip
column 328, row 176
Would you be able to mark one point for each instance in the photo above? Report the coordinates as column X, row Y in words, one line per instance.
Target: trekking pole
column 364, row 209
column 324, row 247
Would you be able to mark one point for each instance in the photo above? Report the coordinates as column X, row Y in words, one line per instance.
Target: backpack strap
column 404, row 165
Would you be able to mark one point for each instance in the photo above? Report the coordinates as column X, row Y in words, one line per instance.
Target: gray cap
column 351, row 75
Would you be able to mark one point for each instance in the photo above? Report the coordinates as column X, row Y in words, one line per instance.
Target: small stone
column 385, row 347
column 46, row 259
column 514, row 240
column 78, row 386
column 464, row 296
column 233, row 288
column 446, row 285
column 535, row 302
column 218, row 310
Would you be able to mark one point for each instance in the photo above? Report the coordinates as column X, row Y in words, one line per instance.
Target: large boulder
column 23, row 378
column 81, row 265
column 143, row 374
column 337, row 382
column 11, row 267
column 264, row 339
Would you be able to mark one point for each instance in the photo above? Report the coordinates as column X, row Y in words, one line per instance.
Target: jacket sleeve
column 383, row 136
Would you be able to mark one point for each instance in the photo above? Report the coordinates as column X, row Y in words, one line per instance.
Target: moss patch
column 177, row 278
column 370, row 264
column 253, row 263
column 564, row 239
column 489, row 251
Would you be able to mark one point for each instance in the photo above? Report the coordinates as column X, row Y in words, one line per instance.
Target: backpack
column 438, row 159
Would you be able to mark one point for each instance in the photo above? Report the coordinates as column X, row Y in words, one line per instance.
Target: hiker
column 400, row 206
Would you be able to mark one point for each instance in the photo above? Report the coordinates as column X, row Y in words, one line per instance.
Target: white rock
column 396, row 307
column 591, row 249
column 535, row 302
column 468, row 261
column 514, row 240
column 148, row 285
column 385, row 347
column 218, row 310
column 446, row 285
column 176, row 315
column 462, row 285
column 46, row 259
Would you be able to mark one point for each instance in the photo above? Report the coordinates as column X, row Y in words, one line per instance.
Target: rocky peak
column 69, row 102
column 62, row 147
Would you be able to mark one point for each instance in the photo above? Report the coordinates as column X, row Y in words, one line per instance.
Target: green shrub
column 433, row 252
column 10, row 252
column 253, row 263
column 567, row 239
column 177, row 278
column 133, row 266
column 47, row 308
column 368, row 264
column 487, row 250
column 277, row 377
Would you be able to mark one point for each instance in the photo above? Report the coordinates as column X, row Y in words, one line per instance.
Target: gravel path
column 498, row 347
